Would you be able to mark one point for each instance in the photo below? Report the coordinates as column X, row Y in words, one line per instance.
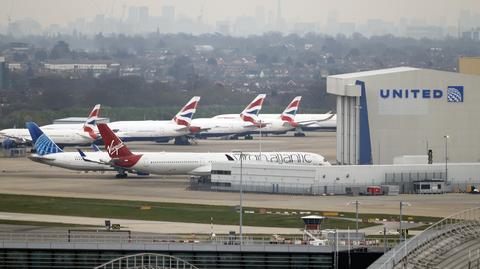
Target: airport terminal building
column 387, row 113
column 387, row 123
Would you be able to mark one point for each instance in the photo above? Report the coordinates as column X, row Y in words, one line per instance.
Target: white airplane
column 309, row 122
column 187, row 163
column 232, row 124
column 158, row 130
column 289, row 120
column 118, row 157
column 68, row 135
column 47, row 152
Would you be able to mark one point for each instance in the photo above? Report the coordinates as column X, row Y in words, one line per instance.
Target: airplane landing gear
column 299, row 132
column 121, row 174
column 182, row 140
column 248, row 137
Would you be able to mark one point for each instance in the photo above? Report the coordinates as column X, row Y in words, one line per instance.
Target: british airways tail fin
column 250, row 113
column 184, row 116
column 90, row 125
column 41, row 142
column 113, row 144
column 289, row 113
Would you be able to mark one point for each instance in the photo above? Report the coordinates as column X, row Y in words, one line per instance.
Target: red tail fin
column 113, row 144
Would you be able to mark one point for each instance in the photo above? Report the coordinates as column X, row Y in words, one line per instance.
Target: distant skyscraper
column 260, row 15
column 132, row 14
column 332, row 22
column 3, row 73
column 223, row 27
column 280, row 21
column 143, row 15
column 168, row 13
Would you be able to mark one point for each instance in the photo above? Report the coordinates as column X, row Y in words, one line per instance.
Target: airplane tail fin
column 184, row 116
column 113, row 144
column 41, row 142
column 90, row 125
column 250, row 113
column 289, row 113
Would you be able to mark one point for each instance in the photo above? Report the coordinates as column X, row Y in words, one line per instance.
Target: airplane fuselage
column 174, row 163
column 217, row 127
column 59, row 136
column 148, row 130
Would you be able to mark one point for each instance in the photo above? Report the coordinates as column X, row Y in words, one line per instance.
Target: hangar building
column 387, row 113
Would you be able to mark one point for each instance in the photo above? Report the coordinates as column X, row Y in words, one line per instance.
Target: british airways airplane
column 158, row 130
column 289, row 120
column 233, row 124
column 62, row 134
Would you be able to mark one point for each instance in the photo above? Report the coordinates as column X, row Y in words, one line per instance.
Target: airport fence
column 84, row 249
column 322, row 189
column 291, row 188
column 126, row 237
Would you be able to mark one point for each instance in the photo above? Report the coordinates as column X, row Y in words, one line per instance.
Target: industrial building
column 387, row 113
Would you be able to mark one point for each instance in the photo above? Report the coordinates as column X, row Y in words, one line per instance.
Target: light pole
column 356, row 214
column 446, row 157
column 241, row 196
column 260, row 139
column 402, row 203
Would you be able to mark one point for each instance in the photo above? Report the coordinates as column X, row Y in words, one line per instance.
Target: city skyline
column 230, row 17
column 49, row 12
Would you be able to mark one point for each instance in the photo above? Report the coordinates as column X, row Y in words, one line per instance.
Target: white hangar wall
column 387, row 113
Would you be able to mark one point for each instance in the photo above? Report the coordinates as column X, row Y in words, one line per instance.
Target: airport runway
column 22, row 176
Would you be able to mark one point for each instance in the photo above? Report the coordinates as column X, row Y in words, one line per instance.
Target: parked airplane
column 47, row 152
column 309, row 122
column 91, row 122
column 159, row 130
column 289, row 120
column 232, row 124
column 188, row 163
column 69, row 135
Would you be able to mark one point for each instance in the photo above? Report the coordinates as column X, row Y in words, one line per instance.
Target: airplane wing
column 256, row 124
column 35, row 157
column 85, row 158
column 110, row 163
column 312, row 121
column 17, row 139
column 201, row 171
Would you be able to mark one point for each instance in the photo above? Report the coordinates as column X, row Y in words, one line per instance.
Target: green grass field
column 174, row 212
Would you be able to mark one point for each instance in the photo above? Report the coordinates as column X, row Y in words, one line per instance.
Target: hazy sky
column 62, row 11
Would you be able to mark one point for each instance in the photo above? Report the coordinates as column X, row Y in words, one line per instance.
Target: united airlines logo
column 455, row 94
column 113, row 149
